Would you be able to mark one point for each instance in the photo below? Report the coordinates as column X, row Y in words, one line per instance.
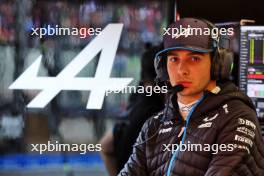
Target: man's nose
column 183, row 68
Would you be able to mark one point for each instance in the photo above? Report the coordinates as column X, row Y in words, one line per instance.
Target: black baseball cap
column 189, row 34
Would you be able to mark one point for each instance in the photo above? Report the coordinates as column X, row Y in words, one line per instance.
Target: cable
column 174, row 156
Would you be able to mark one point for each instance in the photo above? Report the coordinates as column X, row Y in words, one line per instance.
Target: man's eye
column 195, row 58
column 173, row 59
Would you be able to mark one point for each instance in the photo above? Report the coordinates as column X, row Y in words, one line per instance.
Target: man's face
column 191, row 69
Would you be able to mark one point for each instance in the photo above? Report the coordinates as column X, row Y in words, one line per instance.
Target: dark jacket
column 226, row 118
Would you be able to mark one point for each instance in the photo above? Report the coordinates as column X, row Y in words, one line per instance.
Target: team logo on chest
column 208, row 121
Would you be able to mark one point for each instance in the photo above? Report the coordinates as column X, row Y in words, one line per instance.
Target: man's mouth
column 185, row 83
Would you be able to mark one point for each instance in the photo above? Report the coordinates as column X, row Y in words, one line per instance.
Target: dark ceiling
column 223, row 10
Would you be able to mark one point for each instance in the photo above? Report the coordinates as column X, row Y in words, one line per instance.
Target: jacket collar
column 171, row 110
column 211, row 101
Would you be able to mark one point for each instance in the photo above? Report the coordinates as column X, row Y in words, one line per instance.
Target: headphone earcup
column 160, row 65
column 227, row 62
column 215, row 66
column 221, row 65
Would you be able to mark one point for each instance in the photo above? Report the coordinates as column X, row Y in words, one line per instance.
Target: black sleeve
column 142, row 111
column 136, row 164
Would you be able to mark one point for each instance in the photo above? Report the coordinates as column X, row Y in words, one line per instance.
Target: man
column 208, row 128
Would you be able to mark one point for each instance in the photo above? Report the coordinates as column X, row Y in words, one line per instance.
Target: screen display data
column 251, row 73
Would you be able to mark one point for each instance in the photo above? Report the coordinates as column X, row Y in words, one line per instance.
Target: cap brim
column 189, row 48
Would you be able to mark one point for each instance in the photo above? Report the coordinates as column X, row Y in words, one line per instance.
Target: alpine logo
column 106, row 43
column 208, row 121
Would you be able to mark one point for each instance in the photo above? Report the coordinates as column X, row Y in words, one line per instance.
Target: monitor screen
column 251, row 78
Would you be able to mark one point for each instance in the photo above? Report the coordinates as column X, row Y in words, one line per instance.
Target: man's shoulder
column 236, row 113
column 237, row 107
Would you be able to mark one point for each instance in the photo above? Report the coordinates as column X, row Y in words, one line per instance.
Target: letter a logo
column 106, row 43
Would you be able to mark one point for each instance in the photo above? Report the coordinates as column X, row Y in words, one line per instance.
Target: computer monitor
column 251, row 65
